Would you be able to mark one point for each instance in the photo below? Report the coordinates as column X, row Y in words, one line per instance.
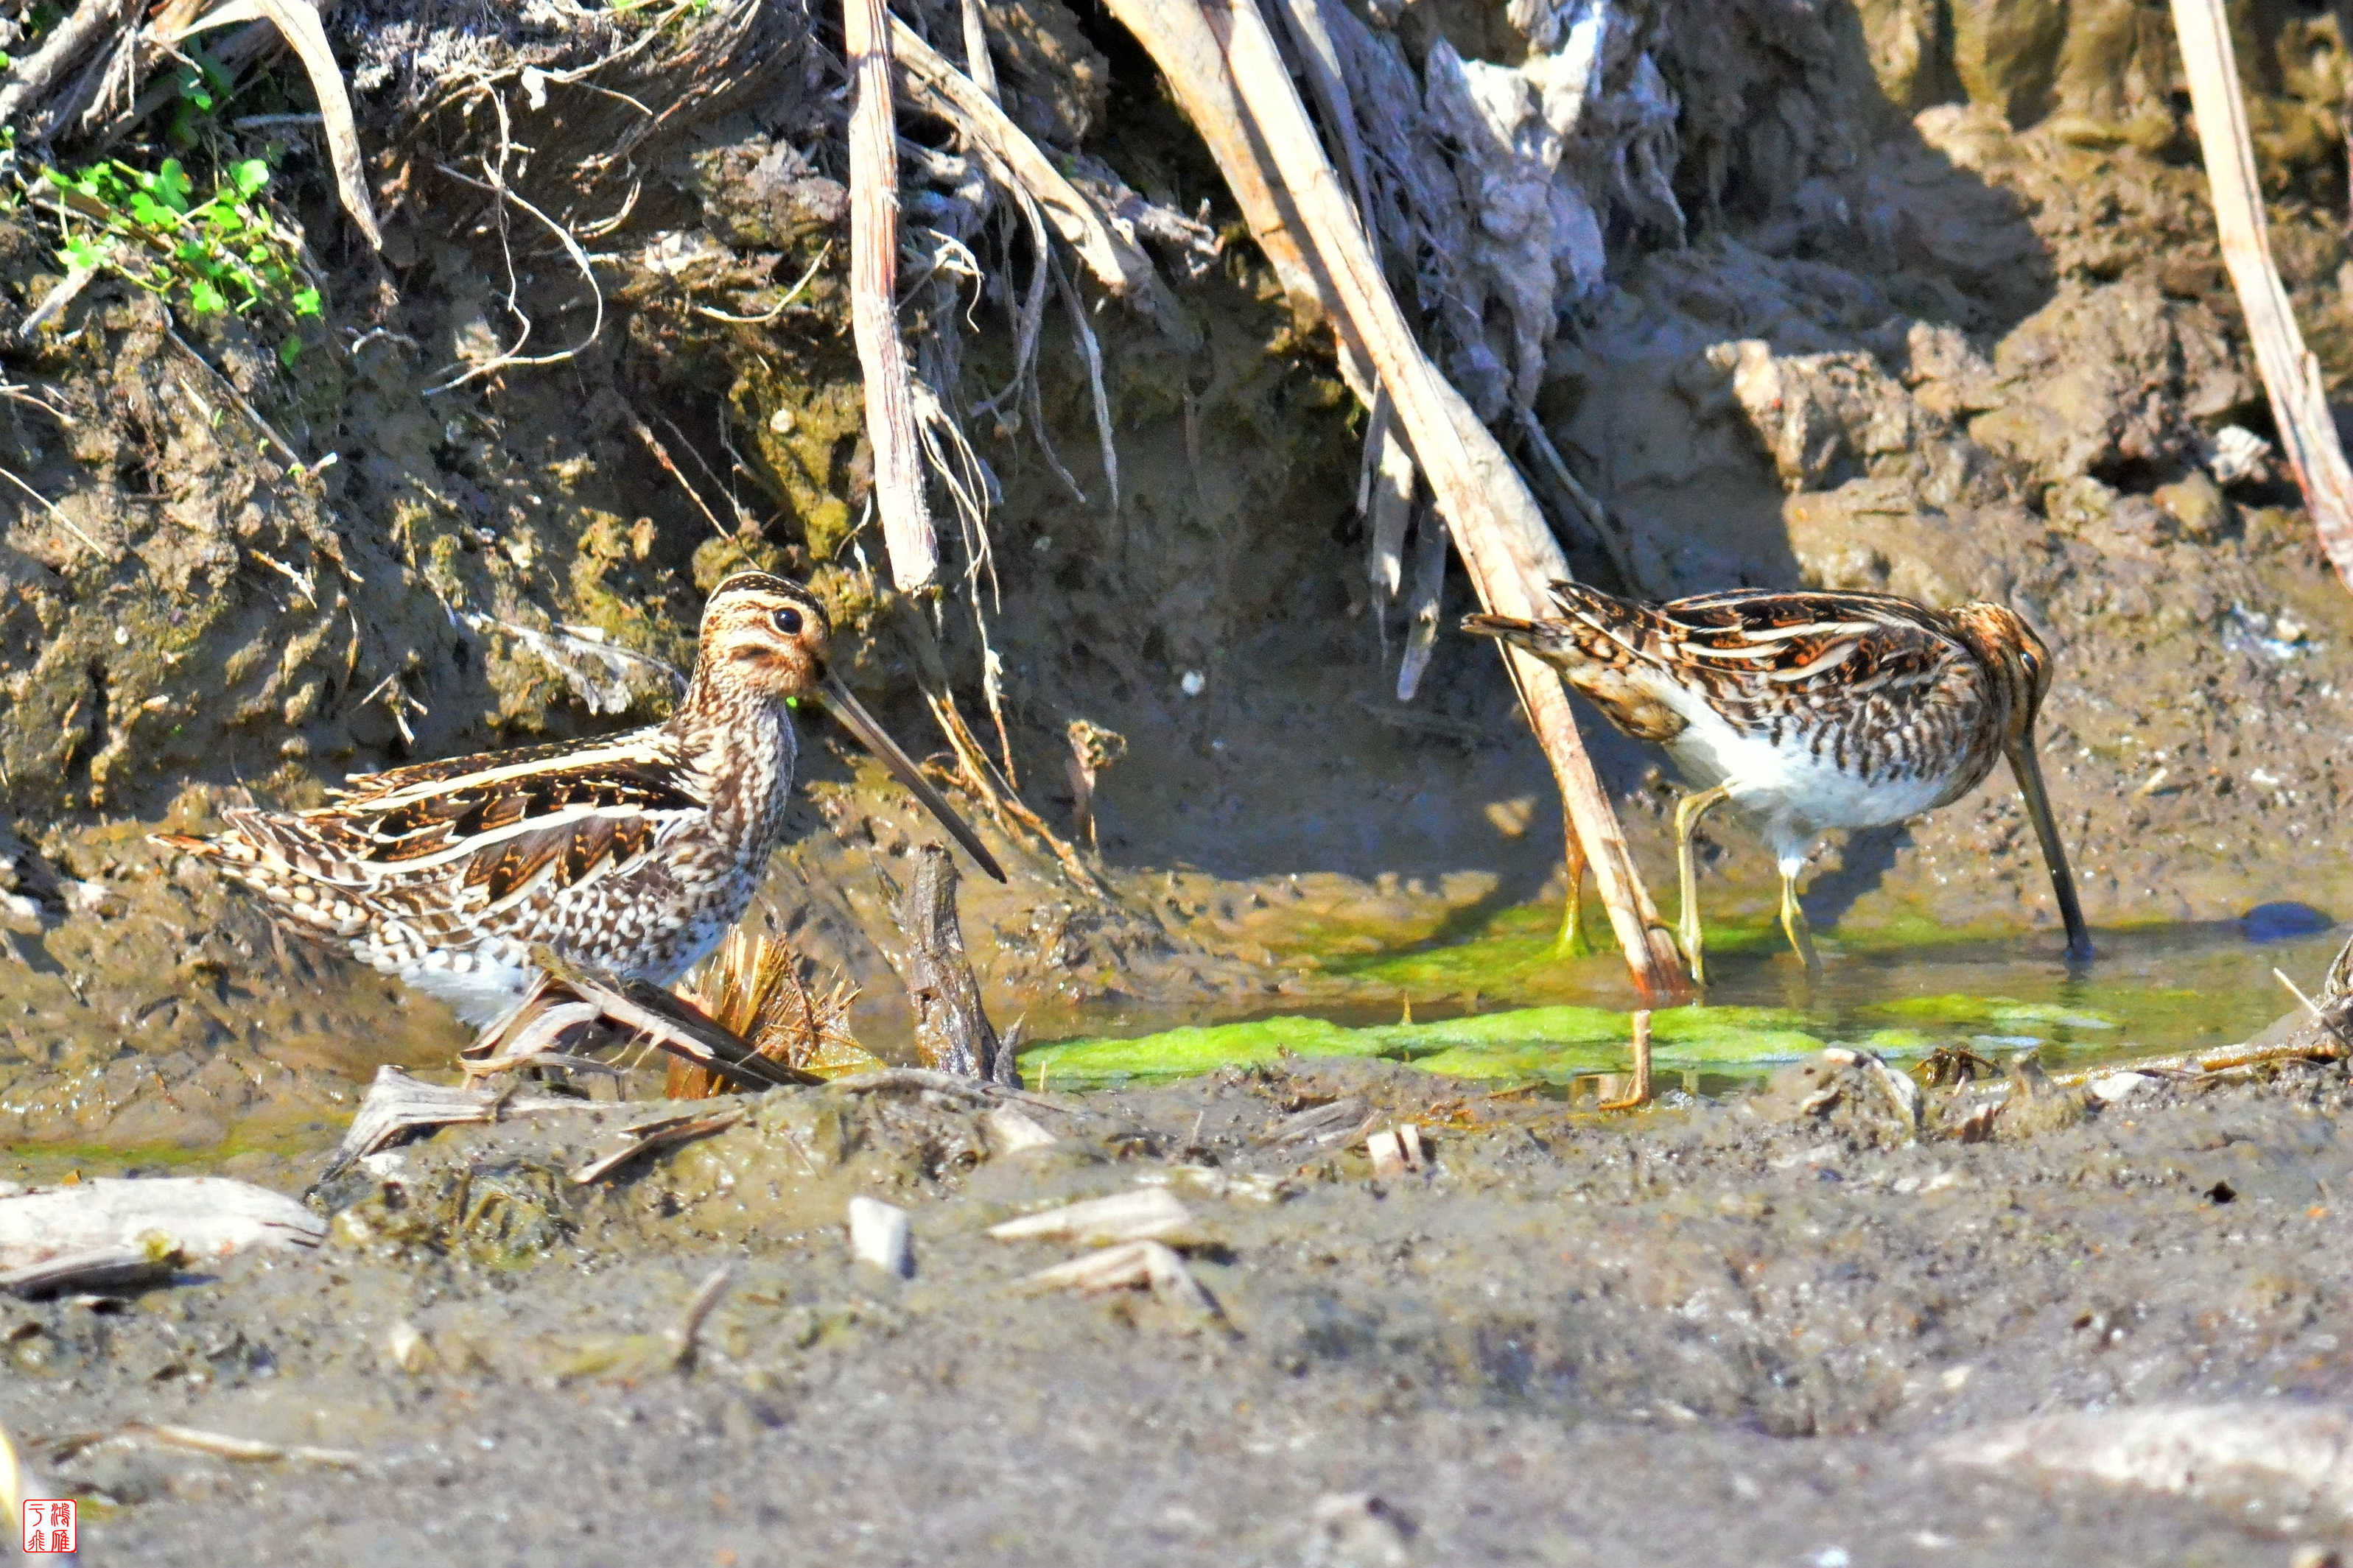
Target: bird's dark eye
column 788, row 621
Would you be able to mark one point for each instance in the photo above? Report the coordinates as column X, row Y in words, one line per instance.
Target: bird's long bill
column 860, row 723
column 2029, row 769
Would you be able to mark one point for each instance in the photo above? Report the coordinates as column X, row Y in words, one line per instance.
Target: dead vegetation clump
column 753, row 986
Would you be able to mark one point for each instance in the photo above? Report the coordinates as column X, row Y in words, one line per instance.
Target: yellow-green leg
column 1639, row 1094
column 1572, row 942
column 1793, row 922
column 1688, row 811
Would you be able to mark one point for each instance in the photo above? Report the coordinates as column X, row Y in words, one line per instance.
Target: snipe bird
column 633, row 853
column 1810, row 711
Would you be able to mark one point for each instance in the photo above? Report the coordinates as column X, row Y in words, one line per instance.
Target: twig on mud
column 652, row 443
column 745, row 521
column 63, row 521
column 398, row 1104
column 68, row 290
column 973, row 770
column 244, row 1450
column 2313, row 1007
column 699, row 1308
column 907, row 532
column 659, row 1134
column 1597, row 517
column 924, row 1081
column 223, row 383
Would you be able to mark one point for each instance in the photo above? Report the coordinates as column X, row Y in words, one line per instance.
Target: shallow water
column 1502, row 1006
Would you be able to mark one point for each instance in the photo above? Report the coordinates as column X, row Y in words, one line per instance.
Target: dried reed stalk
column 753, row 986
column 907, row 531
column 2291, row 375
column 1221, row 61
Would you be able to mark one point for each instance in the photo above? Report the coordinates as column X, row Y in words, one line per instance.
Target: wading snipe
column 1810, row 712
column 633, row 853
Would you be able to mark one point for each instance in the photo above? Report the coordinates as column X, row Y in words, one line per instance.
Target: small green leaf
column 206, row 300
column 172, row 183
column 306, row 302
column 249, row 175
column 288, row 352
column 82, row 254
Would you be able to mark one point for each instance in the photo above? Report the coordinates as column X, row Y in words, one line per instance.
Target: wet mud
column 1753, row 1326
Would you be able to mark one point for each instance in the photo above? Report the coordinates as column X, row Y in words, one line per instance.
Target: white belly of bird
column 1794, row 793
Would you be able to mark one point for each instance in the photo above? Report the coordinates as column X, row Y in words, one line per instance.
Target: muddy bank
column 1940, row 312
column 1770, row 1322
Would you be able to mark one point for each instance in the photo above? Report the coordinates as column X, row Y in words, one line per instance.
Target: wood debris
column 1132, row 1264
column 398, row 1104
column 1011, row 1130
column 662, row 1132
column 1146, row 1213
column 953, row 1033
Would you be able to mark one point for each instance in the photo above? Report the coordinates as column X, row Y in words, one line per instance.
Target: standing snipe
column 1812, row 711
column 633, row 853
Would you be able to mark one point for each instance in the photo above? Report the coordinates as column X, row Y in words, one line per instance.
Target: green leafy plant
column 225, row 254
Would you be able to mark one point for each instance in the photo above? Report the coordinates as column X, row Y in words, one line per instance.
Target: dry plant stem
column 1319, row 58
column 1509, row 551
column 922, row 1080
column 660, row 1133
column 977, row 62
column 2291, row 375
column 705, row 1300
column 61, row 518
column 398, row 1104
column 35, row 75
column 907, row 531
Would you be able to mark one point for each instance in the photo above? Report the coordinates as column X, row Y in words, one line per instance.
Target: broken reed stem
column 2291, row 375
column 907, row 531
column 1510, row 553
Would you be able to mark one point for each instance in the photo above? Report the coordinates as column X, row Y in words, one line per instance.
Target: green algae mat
column 1553, row 1044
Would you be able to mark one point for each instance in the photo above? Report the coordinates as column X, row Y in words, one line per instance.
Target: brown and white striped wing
column 1759, row 655
column 491, row 839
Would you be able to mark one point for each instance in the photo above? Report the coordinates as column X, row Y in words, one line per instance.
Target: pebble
column 882, row 1236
